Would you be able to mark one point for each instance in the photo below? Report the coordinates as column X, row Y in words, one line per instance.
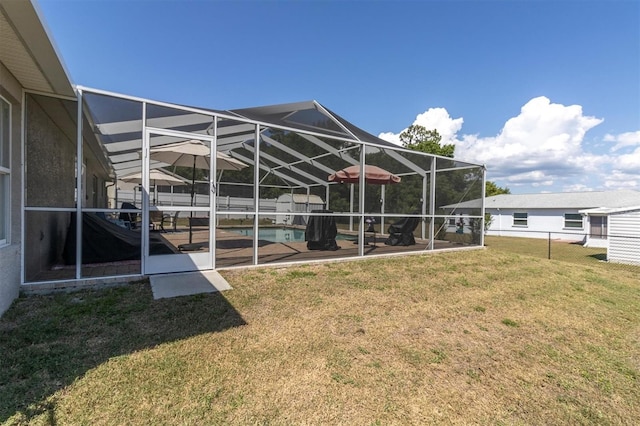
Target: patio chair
column 321, row 232
column 170, row 220
column 155, row 220
column 131, row 220
column 401, row 232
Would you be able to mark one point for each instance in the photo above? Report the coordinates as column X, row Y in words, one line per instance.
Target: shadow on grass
column 599, row 256
column 49, row 341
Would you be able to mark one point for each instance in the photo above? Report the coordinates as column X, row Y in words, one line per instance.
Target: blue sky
column 545, row 93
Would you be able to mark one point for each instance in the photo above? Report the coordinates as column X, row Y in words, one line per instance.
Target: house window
column 520, row 219
column 573, row 220
column 5, row 132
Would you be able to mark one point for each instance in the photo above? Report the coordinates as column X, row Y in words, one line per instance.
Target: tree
column 488, row 220
column 418, row 138
column 492, row 189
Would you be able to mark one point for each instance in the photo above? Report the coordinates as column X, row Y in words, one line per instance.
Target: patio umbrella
column 193, row 153
column 372, row 174
column 157, row 177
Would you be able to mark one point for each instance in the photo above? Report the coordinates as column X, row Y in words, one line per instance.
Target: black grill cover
column 103, row 241
column 321, row 232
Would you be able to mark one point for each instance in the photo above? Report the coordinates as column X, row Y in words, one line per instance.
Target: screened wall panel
column 111, row 242
column 456, row 186
column 406, row 233
column 50, row 152
column 387, row 168
column 49, row 247
column 113, row 142
column 344, row 196
column 461, row 230
column 50, row 186
column 235, row 187
column 322, row 239
column 234, row 240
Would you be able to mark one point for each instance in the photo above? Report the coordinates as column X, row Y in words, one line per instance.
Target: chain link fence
column 616, row 251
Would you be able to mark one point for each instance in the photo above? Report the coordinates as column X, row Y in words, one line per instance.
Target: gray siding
column 624, row 238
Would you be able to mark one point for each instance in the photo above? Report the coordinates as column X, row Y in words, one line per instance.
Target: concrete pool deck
column 235, row 250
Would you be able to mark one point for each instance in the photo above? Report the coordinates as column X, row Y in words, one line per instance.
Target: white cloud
column 621, row 180
column 391, row 137
column 543, row 137
column 578, row 187
column 629, row 163
column 623, row 140
column 439, row 119
column 542, row 147
column 534, row 178
column 433, row 118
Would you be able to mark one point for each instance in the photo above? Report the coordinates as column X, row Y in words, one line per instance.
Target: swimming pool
column 280, row 235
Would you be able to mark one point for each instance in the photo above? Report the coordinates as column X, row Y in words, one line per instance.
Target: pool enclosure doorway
column 193, row 254
column 106, row 197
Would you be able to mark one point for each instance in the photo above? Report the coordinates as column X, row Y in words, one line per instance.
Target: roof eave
column 25, row 17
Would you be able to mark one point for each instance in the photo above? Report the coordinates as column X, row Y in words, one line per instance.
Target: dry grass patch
column 473, row 337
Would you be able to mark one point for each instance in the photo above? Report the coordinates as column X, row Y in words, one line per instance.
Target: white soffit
column 28, row 52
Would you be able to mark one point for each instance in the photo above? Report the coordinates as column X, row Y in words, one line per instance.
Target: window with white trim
column 5, row 139
column 573, row 220
column 520, row 219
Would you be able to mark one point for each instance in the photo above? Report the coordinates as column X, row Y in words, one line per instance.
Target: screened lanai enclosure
column 121, row 186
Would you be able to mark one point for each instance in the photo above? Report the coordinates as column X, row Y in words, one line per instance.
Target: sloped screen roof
column 322, row 144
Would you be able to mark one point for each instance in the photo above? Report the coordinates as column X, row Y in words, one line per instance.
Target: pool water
column 280, row 235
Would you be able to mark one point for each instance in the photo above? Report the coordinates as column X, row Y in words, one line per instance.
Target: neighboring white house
column 623, row 234
column 572, row 216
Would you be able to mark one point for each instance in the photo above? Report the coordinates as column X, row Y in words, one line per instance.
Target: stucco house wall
column 11, row 91
column 50, row 153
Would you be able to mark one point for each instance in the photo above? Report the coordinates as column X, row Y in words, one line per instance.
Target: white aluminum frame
column 4, row 171
column 182, row 262
column 310, row 135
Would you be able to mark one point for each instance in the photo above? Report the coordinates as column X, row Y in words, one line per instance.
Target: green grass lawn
column 480, row 336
